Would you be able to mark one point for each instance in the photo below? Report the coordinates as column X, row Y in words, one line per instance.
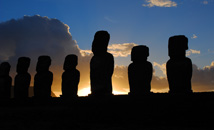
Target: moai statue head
column 23, row 65
column 70, row 62
column 100, row 42
column 139, row 53
column 177, row 46
column 43, row 64
column 4, row 68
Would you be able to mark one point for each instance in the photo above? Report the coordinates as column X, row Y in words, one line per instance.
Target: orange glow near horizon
column 81, row 92
column 85, row 91
column 160, row 90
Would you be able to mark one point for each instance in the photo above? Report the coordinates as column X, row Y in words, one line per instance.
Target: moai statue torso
column 179, row 67
column 22, row 79
column 43, row 78
column 70, row 77
column 101, row 65
column 140, row 71
column 101, row 71
column 5, row 80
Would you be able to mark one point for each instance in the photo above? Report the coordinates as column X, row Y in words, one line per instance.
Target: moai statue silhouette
column 22, row 79
column 70, row 77
column 140, row 71
column 179, row 67
column 43, row 78
column 101, row 65
column 5, row 80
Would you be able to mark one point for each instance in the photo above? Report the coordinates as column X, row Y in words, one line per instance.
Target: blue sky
column 127, row 21
column 147, row 22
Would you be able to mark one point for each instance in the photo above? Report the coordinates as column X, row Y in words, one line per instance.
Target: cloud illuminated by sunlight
column 160, row 3
column 194, row 36
column 121, row 50
column 161, row 67
column 85, row 52
column 110, row 20
column 205, row 2
column 191, row 51
column 117, row 50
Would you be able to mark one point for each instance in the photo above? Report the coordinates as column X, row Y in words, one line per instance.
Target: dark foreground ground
column 148, row 112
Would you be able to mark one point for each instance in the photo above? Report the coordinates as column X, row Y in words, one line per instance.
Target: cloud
column 7, row 50
column 161, row 67
column 121, row 50
column 191, row 51
column 160, row 3
column 33, row 36
column 203, row 79
column 205, row 2
column 86, row 52
column 194, row 36
column 118, row 50
column 120, row 81
column 210, row 51
column 110, row 20
column 120, row 78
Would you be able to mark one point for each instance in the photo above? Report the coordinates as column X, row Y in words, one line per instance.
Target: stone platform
column 153, row 111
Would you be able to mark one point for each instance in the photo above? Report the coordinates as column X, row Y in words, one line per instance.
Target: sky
column 61, row 27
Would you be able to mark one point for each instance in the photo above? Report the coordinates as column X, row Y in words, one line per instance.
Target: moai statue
column 140, row 71
column 22, row 79
column 5, row 80
column 43, row 78
column 179, row 67
column 70, row 77
column 101, row 65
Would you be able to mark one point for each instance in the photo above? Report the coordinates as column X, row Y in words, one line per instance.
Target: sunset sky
column 61, row 27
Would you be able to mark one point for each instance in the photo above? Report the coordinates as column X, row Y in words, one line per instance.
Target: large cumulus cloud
column 33, row 36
